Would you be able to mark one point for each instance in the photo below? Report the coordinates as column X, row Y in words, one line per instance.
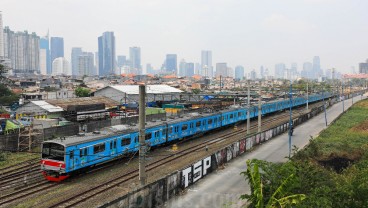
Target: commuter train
column 65, row 156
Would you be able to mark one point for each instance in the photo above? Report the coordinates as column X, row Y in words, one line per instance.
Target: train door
column 83, row 156
column 72, row 159
column 113, row 147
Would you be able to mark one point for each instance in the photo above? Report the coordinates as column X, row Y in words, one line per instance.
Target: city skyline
column 241, row 33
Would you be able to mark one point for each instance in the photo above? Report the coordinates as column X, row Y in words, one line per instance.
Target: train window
column 125, row 141
column 198, row 123
column 223, row 118
column 71, row 154
column 215, row 120
column 170, row 130
column 157, row 134
column 136, row 139
column 231, row 116
column 184, row 127
column 164, row 131
column 209, row 121
column 239, row 114
column 98, row 148
column 53, row 151
column 83, row 152
column 148, row 136
column 177, row 129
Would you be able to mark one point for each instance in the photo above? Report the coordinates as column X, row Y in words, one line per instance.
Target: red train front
column 53, row 161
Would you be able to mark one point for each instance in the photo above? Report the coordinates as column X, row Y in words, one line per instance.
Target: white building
column 130, row 93
column 61, row 66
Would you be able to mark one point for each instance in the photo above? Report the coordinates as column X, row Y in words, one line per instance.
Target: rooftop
column 64, row 103
column 150, row 89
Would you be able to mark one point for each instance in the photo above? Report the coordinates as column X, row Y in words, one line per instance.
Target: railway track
column 85, row 195
column 24, row 192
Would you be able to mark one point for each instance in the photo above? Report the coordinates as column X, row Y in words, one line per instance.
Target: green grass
column 9, row 159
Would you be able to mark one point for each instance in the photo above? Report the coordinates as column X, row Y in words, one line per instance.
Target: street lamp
column 291, row 117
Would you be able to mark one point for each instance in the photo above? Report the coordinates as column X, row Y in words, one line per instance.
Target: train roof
column 97, row 135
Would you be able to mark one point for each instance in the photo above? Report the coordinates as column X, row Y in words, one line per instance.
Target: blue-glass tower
column 106, row 54
column 57, row 48
column 45, row 44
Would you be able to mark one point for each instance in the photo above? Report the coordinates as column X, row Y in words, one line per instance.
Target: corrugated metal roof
column 47, row 106
column 150, row 89
column 64, row 103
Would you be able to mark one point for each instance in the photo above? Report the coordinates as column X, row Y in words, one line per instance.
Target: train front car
column 53, row 161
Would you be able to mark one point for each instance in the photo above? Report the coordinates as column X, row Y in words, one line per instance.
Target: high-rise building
column 23, row 51
column 96, row 64
column 171, row 63
column 1, row 36
column 121, row 61
column 316, row 68
column 135, row 58
column 221, row 69
column 149, row 69
column 57, row 47
column 189, row 69
column 307, row 70
column 106, row 54
column 206, row 64
column 85, row 64
column 253, row 74
column 60, row 66
column 363, row 67
column 239, row 72
column 76, row 52
column 182, row 68
column 262, row 72
column 280, row 71
column 43, row 61
column 45, row 48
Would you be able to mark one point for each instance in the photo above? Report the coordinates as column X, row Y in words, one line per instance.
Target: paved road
column 223, row 188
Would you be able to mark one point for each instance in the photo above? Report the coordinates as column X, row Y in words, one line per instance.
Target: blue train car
column 60, row 157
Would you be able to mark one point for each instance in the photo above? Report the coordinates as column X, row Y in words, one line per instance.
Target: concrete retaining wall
column 157, row 193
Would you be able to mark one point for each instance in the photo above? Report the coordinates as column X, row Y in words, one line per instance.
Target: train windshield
column 53, row 151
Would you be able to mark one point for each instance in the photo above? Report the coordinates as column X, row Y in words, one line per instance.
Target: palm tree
column 277, row 199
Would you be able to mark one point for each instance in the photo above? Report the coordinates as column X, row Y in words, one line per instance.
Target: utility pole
column 343, row 96
column 324, row 105
column 220, row 83
column 142, row 132
column 352, row 95
column 259, row 108
column 248, row 106
column 291, row 116
column 307, row 95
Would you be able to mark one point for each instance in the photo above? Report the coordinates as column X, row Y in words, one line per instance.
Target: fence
column 160, row 191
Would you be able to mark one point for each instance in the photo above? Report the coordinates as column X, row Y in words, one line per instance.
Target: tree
column 257, row 197
column 82, row 92
column 3, row 69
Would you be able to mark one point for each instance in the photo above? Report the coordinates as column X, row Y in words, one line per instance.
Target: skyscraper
column 76, row 52
column 23, row 50
column 307, row 70
column 316, row 67
column 135, row 58
column 45, row 50
column 1, row 36
column 280, row 71
column 221, row 69
column 182, row 68
column 206, row 63
column 121, row 61
column 106, row 54
column 171, row 63
column 57, row 48
column 189, row 69
column 239, row 72
column 363, row 67
column 60, row 66
column 85, row 64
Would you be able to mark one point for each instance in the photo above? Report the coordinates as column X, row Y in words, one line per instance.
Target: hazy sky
column 240, row 32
